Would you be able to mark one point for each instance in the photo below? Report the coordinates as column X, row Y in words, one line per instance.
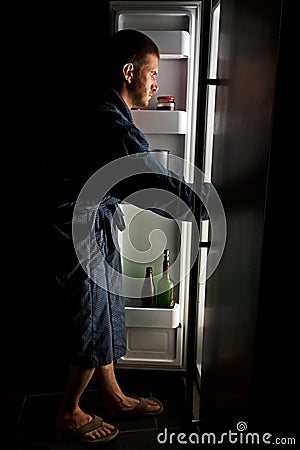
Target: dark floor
column 31, row 413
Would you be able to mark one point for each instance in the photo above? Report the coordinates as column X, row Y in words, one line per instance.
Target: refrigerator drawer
column 152, row 317
column 151, row 344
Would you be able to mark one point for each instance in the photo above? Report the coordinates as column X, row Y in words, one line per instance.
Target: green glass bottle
column 148, row 290
column 165, row 286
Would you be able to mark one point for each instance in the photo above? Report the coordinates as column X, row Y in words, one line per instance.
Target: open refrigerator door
column 156, row 337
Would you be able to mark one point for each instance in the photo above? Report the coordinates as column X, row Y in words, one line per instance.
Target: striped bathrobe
column 89, row 318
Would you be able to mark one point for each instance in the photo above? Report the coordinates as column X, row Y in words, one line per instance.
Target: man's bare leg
column 115, row 401
column 70, row 416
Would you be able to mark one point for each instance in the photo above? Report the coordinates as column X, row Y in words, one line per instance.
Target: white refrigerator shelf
column 152, row 317
column 172, row 43
column 160, row 122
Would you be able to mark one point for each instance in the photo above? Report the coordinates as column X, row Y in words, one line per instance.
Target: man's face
column 144, row 82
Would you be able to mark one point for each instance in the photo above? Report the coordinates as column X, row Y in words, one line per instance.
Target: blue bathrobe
column 90, row 318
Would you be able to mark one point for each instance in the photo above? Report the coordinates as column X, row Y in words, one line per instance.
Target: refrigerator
column 157, row 337
column 223, row 77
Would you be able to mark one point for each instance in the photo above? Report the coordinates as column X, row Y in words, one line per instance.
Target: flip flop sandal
column 140, row 410
column 141, row 407
column 95, row 423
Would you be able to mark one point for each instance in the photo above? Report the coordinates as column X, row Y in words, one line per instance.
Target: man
column 92, row 317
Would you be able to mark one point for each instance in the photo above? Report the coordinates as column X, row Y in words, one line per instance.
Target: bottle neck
column 166, row 269
column 149, row 273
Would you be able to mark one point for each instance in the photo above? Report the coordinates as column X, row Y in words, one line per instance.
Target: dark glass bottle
column 148, row 290
column 165, row 286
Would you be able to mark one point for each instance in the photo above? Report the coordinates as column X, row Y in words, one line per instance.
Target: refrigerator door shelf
column 152, row 317
column 160, row 122
column 172, row 44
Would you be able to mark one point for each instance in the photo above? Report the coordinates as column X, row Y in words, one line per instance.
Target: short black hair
column 127, row 46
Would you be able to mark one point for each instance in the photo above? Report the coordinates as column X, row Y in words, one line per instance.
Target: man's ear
column 128, row 72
